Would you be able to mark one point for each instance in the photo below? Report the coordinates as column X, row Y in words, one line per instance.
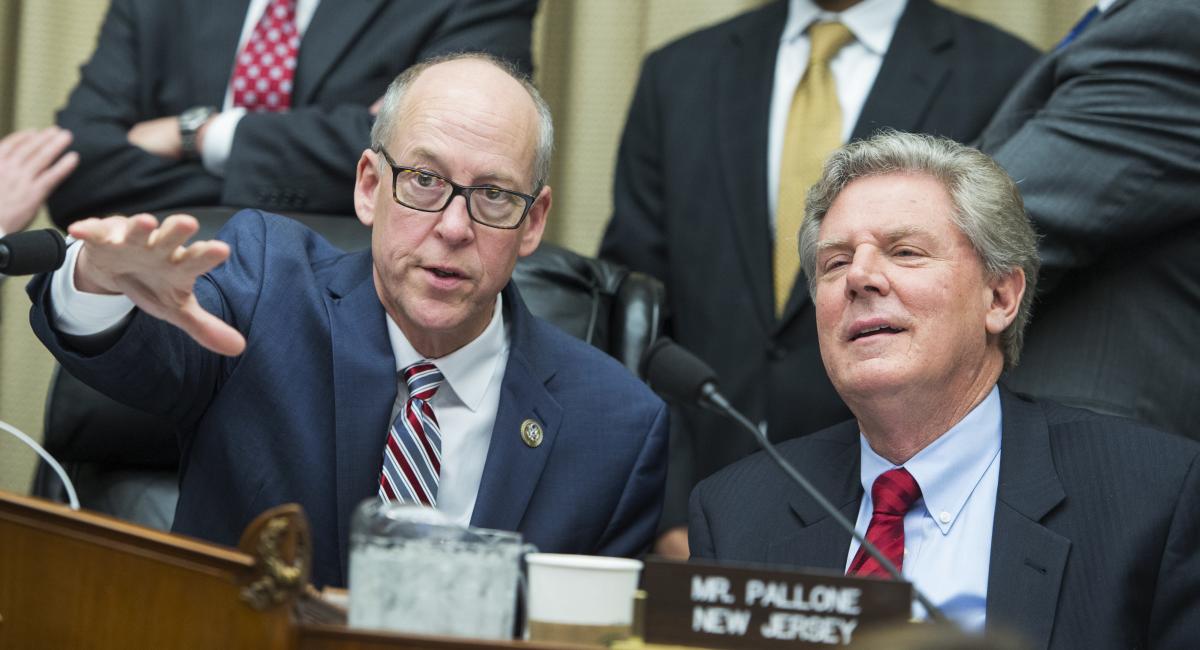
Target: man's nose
column 454, row 223
column 867, row 273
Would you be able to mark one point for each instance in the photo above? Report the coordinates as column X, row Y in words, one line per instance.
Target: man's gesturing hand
column 149, row 263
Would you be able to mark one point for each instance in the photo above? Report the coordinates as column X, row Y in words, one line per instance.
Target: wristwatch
column 190, row 122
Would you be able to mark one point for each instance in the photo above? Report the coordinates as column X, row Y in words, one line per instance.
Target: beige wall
column 588, row 55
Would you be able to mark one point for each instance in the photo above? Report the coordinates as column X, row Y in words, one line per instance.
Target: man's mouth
column 875, row 330
column 444, row 273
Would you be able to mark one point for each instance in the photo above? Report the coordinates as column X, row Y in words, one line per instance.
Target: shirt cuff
column 82, row 314
column 218, row 140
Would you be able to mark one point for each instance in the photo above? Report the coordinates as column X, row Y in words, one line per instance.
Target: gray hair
column 987, row 207
column 393, row 99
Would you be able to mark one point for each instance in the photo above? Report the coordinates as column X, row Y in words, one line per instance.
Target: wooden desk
column 83, row 580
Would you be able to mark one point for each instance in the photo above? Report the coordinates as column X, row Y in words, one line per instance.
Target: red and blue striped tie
column 412, row 458
column 892, row 495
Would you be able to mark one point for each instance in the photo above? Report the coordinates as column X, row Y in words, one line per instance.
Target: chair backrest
column 124, row 462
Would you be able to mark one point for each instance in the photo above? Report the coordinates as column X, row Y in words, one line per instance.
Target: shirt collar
column 468, row 369
column 873, row 22
column 1103, row 5
column 948, row 469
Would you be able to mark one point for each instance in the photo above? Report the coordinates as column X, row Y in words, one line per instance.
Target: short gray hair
column 393, row 100
column 987, row 207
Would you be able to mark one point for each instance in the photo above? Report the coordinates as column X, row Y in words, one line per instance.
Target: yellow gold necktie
column 814, row 130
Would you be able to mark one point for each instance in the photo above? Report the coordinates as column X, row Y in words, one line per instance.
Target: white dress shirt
column 465, row 405
column 948, row 531
column 872, row 22
column 218, row 137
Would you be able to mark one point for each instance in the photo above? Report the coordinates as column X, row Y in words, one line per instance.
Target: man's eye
column 834, row 263
column 426, row 180
column 497, row 196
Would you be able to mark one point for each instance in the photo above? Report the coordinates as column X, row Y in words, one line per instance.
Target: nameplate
column 746, row 606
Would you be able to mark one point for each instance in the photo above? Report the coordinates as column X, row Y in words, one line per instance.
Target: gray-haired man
column 1076, row 529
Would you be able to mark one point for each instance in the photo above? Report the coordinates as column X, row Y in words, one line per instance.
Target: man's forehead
column 893, row 204
column 469, row 81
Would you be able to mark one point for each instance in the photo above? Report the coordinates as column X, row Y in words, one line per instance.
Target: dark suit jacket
column 1103, row 137
column 156, row 58
column 302, row 415
column 1094, row 542
column 690, row 205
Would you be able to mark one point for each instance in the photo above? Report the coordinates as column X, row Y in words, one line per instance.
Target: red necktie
column 892, row 495
column 263, row 72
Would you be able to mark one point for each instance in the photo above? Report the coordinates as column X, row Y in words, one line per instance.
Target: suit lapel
column 913, row 70
column 217, row 24
column 513, row 468
column 815, row 539
column 364, row 387
column 334, row 27
column 742, row 87
column 1028, row 559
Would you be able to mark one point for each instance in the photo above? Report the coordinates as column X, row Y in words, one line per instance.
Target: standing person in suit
column 281, row 367
column 1075, row 529
column 169, row 113
column 1104, row 137
column 725, row 133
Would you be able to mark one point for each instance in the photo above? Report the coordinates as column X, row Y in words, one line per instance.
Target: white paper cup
column 580, row 598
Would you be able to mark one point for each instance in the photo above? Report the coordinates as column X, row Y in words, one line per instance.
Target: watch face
column 194, row 117
column 190, row 122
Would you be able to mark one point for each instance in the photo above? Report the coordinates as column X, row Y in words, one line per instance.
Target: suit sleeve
column 1175, row 617
column 114, row 176
column 1110, row 159
column 632, row 527
column 636, row 235
column 306, row 158
column 152, row 365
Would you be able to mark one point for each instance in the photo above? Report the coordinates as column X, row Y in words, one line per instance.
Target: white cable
column 48, row 458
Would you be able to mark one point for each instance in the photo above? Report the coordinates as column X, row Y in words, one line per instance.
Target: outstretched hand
column 151, row 265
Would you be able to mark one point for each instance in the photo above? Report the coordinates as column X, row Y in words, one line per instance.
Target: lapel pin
column 531, row 433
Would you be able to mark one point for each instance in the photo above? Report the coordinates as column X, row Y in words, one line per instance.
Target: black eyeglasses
column 429, row 192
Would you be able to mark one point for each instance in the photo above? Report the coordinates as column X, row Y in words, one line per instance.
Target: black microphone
column 680, row 376
column 34, row 251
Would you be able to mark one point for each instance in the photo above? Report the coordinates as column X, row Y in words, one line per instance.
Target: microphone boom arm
column 714, row 400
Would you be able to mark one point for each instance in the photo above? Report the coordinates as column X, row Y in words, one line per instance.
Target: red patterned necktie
column 263, row 72
column 892, row 495
column 412, row 458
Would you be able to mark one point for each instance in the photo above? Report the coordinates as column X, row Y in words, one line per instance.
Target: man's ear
column 366, row 187
column 1006, row 292
column 535, row 223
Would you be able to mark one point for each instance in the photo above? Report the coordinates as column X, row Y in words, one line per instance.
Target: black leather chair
column 124, row 461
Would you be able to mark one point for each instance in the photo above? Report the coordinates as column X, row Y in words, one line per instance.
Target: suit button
column 776, row 352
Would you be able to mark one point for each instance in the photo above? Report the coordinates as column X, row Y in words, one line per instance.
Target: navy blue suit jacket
column 302, row 415
column 1094, row 543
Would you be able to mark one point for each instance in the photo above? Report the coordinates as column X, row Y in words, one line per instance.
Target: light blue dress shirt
column 948, row 531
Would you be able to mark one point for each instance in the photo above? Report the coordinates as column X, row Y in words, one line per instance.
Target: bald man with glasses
column 410, row 372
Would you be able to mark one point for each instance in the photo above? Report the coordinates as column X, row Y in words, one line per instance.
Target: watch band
column 190, row 122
